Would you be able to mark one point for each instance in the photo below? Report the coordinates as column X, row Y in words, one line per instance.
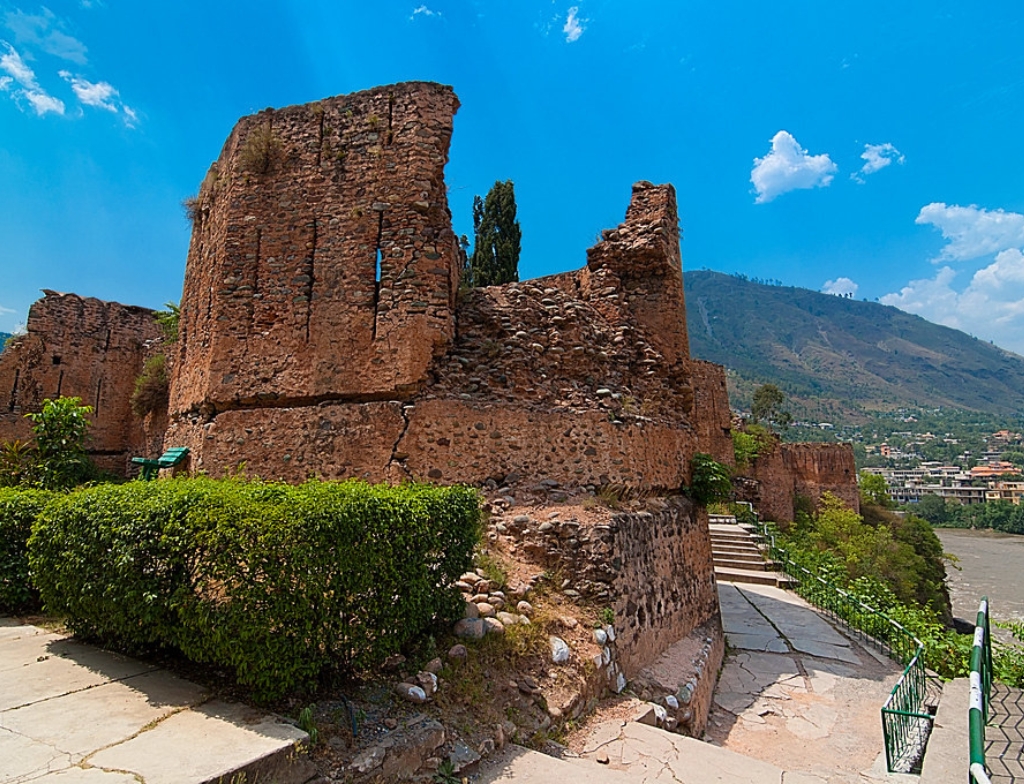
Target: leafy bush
column 18, row 509
column 710, row 481
column 750, row 443
column 60, row 430
column 274, row 581
column 151, row 393
column 17, row 463
column 904, row 555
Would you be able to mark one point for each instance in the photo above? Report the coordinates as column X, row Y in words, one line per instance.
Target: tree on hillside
column 495, row 257
column 767, row 408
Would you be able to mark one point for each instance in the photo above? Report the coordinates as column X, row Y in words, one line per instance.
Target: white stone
column 559, row 650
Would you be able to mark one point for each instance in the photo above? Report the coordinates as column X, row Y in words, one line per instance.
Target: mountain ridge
column 838, row 358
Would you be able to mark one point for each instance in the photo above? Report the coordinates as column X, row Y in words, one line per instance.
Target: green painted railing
column 906, row 718
column 981, row 689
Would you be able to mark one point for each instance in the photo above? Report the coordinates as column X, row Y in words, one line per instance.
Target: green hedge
column 277, row 582
column 18, row 508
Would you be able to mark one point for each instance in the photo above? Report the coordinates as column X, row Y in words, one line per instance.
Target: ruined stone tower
column 322, row 264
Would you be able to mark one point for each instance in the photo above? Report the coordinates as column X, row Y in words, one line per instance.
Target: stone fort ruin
column 324, row 333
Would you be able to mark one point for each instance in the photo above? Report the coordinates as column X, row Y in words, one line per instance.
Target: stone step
column 732, row 563
column 639, row 755
column 737, row 552
column 746, row 548
column 731, row 529
column 726, row 574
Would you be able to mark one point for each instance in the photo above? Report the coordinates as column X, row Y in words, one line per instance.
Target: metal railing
column 981, row 690
column 906, row 718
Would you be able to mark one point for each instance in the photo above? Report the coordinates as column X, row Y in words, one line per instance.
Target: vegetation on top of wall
column 260, row 149
column 277, row 582
column 152, row 387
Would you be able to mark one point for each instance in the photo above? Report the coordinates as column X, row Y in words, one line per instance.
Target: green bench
column 168, row 459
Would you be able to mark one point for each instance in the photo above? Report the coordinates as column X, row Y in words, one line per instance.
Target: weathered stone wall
column 323, row 264
column 80, row 347
column 712, row 416
column 823, row 468
column 790, row 471
column 583, row 377
column 654, row 568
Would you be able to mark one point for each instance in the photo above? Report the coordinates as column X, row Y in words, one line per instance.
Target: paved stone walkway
column 74, row 714
column 798, row 693
column 798, row 702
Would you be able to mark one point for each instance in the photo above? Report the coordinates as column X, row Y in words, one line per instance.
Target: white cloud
column 973, row 232
column 877, row 157
column 100, row 94
column 991, row 306
column 789, row 167
column 43, row 30
column 28, row 90
column 6, row 311
column 574, row 25
column 424, row 11
column 841, row 287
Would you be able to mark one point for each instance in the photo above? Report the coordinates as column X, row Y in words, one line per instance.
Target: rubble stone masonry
column 323, row 332
column 80, row 347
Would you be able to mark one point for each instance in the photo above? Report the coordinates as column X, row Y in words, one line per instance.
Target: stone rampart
column 295, row 360
column 80, row 347
column 792, row 471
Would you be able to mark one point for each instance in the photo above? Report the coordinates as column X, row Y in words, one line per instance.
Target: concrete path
column 74, row 714
column 798, row 693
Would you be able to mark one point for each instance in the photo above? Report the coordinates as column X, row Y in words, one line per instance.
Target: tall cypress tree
column 495, row 258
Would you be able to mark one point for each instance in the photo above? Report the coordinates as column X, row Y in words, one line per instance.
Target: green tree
column 495, row 257
column 168, row 321
column 710, row 481
column 60, row 431
column 767, row 408
column 874, row 490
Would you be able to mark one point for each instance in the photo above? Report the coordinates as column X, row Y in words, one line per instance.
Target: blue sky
column 865, row 148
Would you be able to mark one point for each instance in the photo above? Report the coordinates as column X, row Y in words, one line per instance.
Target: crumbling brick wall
column 80, row 347
column 294, row 360
column 792, row 471
column 323, row 264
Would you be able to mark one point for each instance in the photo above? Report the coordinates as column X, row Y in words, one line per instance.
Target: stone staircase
column 739, row 556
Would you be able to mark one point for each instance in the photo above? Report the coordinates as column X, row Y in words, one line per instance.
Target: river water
column 991, row 564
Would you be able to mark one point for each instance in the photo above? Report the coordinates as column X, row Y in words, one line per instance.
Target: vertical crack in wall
column 106, row 344
column 391, row 118
column 13, row 404
column 377, row 259
column 396, row 461
column 310, row 267
column 96, row 403
column 60, row 382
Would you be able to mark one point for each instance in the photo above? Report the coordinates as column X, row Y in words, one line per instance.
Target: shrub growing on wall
column 275, row 581
column 18, row 509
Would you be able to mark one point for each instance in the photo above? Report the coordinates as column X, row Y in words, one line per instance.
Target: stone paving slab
column 74, row 714
column 803, row 626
